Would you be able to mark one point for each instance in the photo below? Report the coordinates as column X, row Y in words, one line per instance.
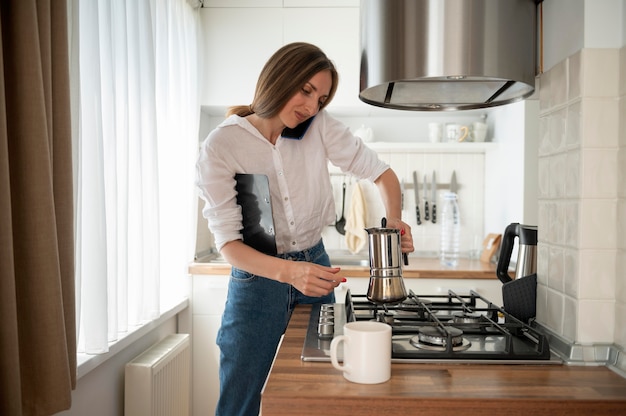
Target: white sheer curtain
column 135, row 89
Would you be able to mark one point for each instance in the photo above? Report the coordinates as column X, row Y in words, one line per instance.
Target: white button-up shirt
column 297, row 170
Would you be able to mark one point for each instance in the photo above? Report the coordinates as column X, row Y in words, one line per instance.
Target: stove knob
column 325, row 329
column 326, row 316
column 327, row 307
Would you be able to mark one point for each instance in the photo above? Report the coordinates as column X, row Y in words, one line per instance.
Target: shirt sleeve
column 216, row 182
column 348, row 152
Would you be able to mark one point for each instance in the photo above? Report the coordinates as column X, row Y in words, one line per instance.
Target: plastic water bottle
column 450, row 231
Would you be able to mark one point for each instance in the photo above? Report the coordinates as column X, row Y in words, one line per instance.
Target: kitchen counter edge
column 418, row 268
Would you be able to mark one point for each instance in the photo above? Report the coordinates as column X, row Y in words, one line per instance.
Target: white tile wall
column 574, row 117
column 570, row 273
column 597, row 223
column 555, row 269
column 558, row 85
column 620, row 322
column 582, row 212
column 600, row 264
column 573, row 177
column 553, row 317
column 599, row 72
column 598, row 173
column 591, row 330
column 600, row 122
column 569, row 317
column 574, row 75
column 620, row 286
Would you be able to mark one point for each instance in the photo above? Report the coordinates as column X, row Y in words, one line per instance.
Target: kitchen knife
column 426, row 211
column 417, row 198
column 453, row 185
column 433, row 190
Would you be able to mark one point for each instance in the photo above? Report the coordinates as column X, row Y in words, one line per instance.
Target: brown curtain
column 37, row 306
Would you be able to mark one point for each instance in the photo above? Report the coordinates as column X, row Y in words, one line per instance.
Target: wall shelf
column 421, row 147
column 366, row 110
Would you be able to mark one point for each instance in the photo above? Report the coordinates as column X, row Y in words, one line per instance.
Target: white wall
column 100, row 392
column 570, row 25
column 511, row 177
column 568, row 17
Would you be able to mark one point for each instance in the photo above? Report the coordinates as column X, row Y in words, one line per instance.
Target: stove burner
column 464, row 317
column 433, row 335
column 431, row 338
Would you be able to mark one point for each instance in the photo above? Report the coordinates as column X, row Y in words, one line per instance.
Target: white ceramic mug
column 456, row 132
column 479, row 131
column 366, row 352
column 435, row 131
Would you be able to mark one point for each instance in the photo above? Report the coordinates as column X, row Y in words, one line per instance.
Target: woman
column 286, row 136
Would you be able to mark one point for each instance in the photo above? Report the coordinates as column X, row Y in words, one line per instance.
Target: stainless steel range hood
column 443, row 55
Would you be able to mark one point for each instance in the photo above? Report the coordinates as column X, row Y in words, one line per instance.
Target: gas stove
column 436, row 328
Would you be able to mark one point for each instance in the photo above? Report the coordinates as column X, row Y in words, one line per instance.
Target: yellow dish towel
column 356, row 236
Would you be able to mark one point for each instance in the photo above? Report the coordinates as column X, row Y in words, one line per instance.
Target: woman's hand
column 311, row 279
column 391, row 194
column 406, row 237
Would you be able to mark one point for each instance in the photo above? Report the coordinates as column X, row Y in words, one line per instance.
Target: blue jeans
column 256, row 315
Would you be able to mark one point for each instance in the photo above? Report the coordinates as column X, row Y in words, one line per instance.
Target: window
column 135, row 115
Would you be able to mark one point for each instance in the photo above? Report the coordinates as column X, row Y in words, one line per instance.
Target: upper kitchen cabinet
column 236, row 43
column 321, row 3
column 241, row 3
column 239, row 40
column 281, row 3
column 336, row 32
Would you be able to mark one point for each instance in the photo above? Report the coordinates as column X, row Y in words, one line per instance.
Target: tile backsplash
column 582, row 212
column 468, row 163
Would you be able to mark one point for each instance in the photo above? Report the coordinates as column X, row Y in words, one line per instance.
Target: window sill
column 88, row 362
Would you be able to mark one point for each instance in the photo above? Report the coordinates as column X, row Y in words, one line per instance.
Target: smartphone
column 298, row 131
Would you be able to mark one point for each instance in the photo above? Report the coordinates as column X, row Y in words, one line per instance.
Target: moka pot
column 386, row 284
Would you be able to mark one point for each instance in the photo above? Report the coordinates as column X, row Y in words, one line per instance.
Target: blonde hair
column 284, row 74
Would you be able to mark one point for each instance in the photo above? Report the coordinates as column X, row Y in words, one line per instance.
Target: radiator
column 157, row 382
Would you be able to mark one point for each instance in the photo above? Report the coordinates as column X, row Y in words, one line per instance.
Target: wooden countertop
column 303, row 388
column 418, row 267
